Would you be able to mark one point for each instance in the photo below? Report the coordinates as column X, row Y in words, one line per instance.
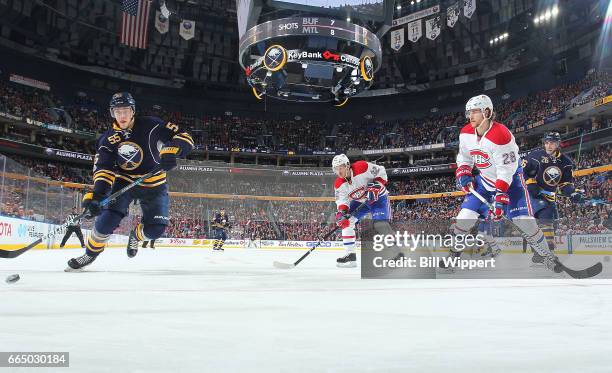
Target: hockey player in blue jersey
column 133, row 147
column 220, row 226
column 549, row 171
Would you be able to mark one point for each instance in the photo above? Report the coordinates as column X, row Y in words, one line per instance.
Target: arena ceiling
column 84, row 32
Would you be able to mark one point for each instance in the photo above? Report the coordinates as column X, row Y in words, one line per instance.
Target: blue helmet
column 552, row 136
column 122, row 99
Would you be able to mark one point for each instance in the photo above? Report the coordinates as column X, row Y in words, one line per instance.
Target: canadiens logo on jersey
column 552, row 175
column 130, row 155
column 358, row 193
column 481, row 159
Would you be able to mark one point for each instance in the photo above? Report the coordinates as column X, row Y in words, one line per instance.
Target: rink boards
column 15, row 233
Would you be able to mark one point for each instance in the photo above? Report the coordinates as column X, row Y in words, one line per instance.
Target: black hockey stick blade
column 589, row 272
column 15, row 253
column 592, row 271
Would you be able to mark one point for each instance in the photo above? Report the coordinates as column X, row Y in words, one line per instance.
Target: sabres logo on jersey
column 552, row 175
column 129, row 155
column 481, row 159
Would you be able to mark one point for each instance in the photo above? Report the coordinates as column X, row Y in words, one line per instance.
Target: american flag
column 135, row 23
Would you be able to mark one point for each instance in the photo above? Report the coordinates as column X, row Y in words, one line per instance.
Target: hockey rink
column 188, row 310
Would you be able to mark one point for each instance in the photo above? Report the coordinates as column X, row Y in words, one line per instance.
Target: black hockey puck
column 12, row 279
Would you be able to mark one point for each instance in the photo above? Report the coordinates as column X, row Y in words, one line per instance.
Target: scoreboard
column 377, row 12
column 373, row 10
column 311, row 26
column 311, row 50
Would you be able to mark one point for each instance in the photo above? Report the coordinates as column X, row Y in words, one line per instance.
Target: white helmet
column 481, row 102
column 339, row 160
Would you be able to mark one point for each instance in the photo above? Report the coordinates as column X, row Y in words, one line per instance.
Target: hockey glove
column 168, row 156
column 501, row 204
column 343, row 219
column 374, row 189
column 577, row 197
column 91, row 205
column 465, row 180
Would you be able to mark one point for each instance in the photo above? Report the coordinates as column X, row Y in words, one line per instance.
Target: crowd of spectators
column 229, row 132
column 22, row 101
column 596, row 85
column 270, row 183
column 293, row 220
column 594, row 217
column 301, row 220
column 422, row 184
column 55, row 170
column 401, row 133
column 538, row 106
column 13, row 203
column 597, row 157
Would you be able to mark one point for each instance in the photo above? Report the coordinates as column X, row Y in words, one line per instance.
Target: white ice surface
column 186, row 310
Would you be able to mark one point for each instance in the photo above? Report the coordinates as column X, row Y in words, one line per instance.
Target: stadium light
column 499, row 38
column 412, row 2
column 547, row 15
column 399, row 7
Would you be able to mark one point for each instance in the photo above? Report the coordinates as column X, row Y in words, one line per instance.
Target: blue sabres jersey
column 547, row 173
column 128, row 154
column 220, row 221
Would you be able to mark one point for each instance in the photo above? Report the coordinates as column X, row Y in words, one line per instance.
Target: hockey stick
column 15, row 253
column 282, row 265
column 591, row 271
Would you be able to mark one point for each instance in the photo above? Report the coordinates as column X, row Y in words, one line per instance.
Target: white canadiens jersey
column 356, row 190
column 495, row 154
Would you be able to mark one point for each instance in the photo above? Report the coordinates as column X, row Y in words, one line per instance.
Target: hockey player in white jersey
column 356, row 183
column 490, row 146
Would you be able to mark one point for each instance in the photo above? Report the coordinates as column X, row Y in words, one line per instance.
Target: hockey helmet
column 481, row 102
column 339, row 160
column 122, row 99
column 552, row 136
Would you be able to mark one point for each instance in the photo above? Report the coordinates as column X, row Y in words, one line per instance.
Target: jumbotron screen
column 371, row 8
